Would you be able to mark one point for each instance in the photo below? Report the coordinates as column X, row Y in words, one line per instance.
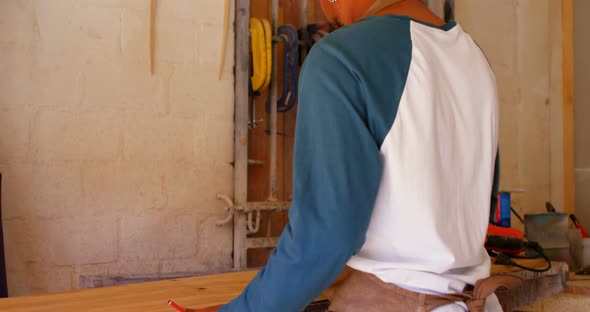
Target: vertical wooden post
column 241, row 129
column 569, row 178
column 273, row 116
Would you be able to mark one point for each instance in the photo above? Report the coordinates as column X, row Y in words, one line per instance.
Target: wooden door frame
column 569, row 179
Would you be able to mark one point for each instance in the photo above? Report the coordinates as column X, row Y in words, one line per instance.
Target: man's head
column 344, row 12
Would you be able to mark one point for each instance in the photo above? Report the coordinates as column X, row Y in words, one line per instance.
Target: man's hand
column 210, row 309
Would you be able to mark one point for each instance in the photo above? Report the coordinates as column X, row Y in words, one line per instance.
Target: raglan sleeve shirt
column 337, row 170
column 350, row 90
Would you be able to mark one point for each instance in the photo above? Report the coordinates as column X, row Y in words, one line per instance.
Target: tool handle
column 583, row 230
column 176, row 307
column 579, row 225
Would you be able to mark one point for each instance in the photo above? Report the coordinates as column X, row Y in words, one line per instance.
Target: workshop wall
column 582, row 108
column 106, row 168
column 522, row 40
column 273, row 223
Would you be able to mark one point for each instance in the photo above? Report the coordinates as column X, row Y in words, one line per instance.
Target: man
column 394, row 169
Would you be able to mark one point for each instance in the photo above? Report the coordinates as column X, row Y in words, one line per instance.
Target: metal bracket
column 253, row 228
column 229, row 209
column 249, row 208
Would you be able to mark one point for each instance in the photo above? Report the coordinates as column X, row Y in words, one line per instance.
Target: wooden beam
column 569, row 181
column 241, row 128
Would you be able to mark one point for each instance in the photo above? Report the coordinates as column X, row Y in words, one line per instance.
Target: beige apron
column 356, row 291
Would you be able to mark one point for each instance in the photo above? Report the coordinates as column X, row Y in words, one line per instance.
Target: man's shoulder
column 370, row 38
column 368, row 32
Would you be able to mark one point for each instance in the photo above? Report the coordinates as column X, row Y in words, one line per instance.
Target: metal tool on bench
column 504, row 242
column 575, row 221
column 579, row 225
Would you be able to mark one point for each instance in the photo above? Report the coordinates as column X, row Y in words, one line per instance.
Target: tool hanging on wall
column 261, row 37
column 253, row 122
column 290, row 38
column 261, row 42
column 309, row 35
column 226, row 8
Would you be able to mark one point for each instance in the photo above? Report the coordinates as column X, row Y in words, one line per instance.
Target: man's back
column 438, row 125
column 431, row 100
column 393, row 166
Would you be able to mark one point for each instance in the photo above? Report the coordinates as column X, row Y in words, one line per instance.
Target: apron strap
column 487, row 286
column 378, row 6
column 476, row 299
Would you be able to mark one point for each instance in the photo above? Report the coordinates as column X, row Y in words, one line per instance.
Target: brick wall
column 108, row 169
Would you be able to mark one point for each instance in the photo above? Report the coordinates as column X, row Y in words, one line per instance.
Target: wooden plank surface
column 191, row 292
column 569, row 179
column 194, row 292
column 578, row 284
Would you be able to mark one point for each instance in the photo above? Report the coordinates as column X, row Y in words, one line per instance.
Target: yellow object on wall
column 261, row 34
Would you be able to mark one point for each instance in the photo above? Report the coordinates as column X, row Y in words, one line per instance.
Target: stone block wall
column 108, row 169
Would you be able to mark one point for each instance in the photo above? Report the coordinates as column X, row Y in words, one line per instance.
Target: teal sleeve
column 337, row 169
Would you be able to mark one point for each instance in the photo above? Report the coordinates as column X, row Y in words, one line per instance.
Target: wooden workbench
column 204, row 291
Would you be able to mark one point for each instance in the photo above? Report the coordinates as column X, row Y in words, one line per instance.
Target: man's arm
column 337, row 170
